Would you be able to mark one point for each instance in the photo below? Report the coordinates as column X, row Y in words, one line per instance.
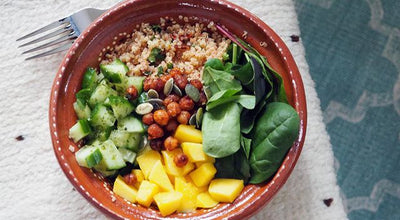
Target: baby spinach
column 246, row 101
column 235, row 166
column 243, row 73
column 218, row 80
column 221, row 130
column 274, row 133
column 246, row 145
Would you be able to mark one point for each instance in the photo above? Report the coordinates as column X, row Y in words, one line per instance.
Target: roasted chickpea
column 156, row 144
column 196, row 83
column 147, row 119
column 186, row 103
column 183, row 117
column 161, row 117
column 132, row 92
column 130, row 179
column 180, row 81
column 171, row 143
column 170, row 98
column 173, row 109
column 175, row 71
column 155, row 131
column 147, row 83
column 157, row 84
column 172, row 125
column 165, row 78
column 181, row 160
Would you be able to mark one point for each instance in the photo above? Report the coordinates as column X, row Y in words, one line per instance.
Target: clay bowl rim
column 300, row 105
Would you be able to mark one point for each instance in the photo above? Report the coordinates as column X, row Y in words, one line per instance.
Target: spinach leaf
column 247, row 117
column 274, row 133
column 223, row 94
column 221, row 130
column 235, row 166
column 246, row 145
column 247, row 101
column 215, row 64
column 218, row 80
column 243, row 73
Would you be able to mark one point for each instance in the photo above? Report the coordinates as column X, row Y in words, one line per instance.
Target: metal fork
column 59, row 35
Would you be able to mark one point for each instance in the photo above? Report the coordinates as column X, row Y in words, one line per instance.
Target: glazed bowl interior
column 87, row 51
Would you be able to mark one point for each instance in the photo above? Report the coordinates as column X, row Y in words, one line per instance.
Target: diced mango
column 124, row 190
column 170, row 165
column 188, row 133
column 195, row 152
column 204, row 200
column 146, row 192
column 189, row 192
column 225, row 190
column 203, row 175
column 160, row 177
column 139, row 177
column 147, row 160
column 168, row 202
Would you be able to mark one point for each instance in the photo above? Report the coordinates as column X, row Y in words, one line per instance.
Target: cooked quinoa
column 186, row 46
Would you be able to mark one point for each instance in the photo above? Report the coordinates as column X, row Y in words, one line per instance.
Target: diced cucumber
column 100, row 94
column 127, row 155
column 136, row 81
column 80, row 130
column 104, row 171
column 114, row 71
column 82, row 110
column 130, row 124
column 103, row 135
column 89, row 79
column 124, row 139
column 100, row 77
column 112, row 158
column 84, row 95
column 102, row 117
column 88, row 156
column 120, row 106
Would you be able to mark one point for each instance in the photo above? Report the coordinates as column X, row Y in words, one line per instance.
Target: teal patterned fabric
column 353, row 50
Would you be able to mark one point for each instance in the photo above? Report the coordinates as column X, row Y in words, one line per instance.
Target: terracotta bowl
column 123, row 18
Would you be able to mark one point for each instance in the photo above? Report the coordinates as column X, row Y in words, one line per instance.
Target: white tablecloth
column 32, row 185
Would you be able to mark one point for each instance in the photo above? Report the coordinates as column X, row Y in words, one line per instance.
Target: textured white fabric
column 32, row 185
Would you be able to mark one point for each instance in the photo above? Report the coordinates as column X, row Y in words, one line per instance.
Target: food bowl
column 123, row 18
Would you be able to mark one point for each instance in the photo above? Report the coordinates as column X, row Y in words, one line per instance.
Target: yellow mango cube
column 168, row 202
column 139, row 177
column 170, row 165
column 189, row 192
column 203, row 175
column 204, row 200
column 147, row 160
column 195, row 152
column 146, row 192
column 225, row 190
column 160, row 177
column 188, row 133
column 124, row 190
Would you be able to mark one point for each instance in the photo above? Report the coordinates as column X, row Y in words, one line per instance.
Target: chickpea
column 170, row 143
column 186, row 103
column 175, row 71
column 156, row 144
column 180, row 81
column 132, row 92
column 172, row 125
column 171, row 98
column 130, row 179
column 165, row 78
column 183, row 117
column 157, row 84
column 147, row 83
column 181, row 160
column 173, row 109
column 155, row 131
column 147, row 119
column 197, row 83
column 161, row 117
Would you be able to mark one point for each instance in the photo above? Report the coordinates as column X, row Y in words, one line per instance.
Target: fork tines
column 60, row 38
